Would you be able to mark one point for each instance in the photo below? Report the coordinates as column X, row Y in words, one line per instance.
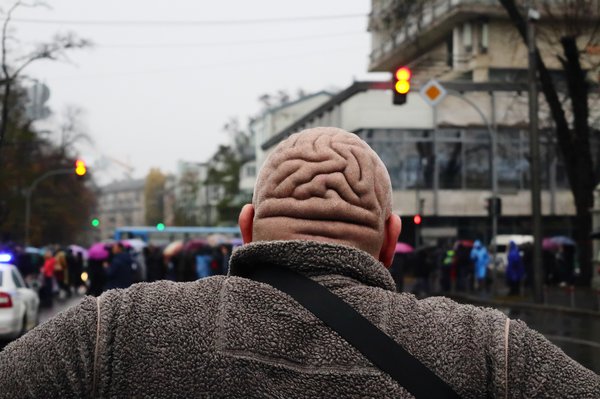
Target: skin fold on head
column 325, row 184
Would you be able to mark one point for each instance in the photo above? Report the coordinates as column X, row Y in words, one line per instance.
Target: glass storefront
column 460, row 158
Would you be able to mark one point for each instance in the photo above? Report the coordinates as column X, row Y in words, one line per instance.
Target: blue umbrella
column 563, row 240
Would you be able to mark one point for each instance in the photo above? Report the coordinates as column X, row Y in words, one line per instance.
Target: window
column 17, row 279
column 449, row 152
column 483, row 38
column 467, row 37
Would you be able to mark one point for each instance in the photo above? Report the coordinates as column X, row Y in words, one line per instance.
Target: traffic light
column 160, row 226
column 95, row 222
column 401, row 83
column 80, row 168
column 417, row 219
column 494, row 206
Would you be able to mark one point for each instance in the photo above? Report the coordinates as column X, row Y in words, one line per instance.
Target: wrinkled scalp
column 323, row 184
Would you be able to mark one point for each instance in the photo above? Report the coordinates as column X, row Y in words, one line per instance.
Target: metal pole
column 534, row 151
column 29, row 193
column 493, row 173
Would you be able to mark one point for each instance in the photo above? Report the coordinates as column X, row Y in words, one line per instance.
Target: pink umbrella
column 98, row 251
column 403, row 248
column 548, row 244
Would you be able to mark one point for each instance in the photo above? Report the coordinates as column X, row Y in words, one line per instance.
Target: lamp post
column 29, row 192
column 493, row 156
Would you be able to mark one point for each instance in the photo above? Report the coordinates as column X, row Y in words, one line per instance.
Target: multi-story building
column 270, row 122
column 121, row 204
column 194, row 199
column 441, row 158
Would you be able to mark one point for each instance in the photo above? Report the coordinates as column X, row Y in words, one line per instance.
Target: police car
column 19, row 305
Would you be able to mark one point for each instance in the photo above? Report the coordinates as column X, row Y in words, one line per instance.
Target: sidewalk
column 576, row 300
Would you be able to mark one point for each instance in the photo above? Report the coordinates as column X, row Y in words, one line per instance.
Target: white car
column 19, row 305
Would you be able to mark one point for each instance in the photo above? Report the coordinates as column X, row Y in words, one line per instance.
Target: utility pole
column 534, row 152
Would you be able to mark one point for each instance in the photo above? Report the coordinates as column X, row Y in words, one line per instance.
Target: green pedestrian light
column 160, row 226
column 95, row 222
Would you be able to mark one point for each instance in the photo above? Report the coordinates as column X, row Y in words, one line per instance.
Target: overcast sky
column 155, row 91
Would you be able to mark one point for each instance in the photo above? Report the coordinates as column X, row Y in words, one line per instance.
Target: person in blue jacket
column 515, row 271
column 480, row 258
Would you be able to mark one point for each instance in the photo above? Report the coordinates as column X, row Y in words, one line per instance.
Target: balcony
column 399, row 38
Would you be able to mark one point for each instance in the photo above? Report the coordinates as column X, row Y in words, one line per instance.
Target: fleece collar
column 313, row 259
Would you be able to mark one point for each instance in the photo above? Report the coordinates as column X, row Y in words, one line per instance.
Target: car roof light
column 5, row 258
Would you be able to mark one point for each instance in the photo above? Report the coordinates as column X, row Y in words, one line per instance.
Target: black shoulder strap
column 373, row 343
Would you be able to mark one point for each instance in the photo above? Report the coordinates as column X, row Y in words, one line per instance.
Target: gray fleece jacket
column 226, row 336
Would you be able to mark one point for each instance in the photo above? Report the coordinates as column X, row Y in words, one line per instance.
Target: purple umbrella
column 98, row 251
column 76, row 249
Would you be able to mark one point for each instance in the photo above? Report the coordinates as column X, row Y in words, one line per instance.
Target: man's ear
column 393, row 226
column 246, row 222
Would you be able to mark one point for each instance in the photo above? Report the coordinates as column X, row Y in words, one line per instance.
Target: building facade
column 445, row 161
column 121, row 204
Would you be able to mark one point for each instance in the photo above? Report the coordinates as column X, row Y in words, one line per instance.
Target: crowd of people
column 61, row 272
column 468, row 266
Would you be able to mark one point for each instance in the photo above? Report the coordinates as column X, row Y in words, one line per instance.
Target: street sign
column 433, row 92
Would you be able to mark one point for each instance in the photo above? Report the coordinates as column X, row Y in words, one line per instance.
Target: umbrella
column 173, row 248
column 236, row 242
column 403, row 248
column 195, row 244
column 135, row 243
column 216, row 239
column 76, row 249
column 98, row 251
column 549, row 245
column 563, row 240
column 34, row 250
column 466, row 243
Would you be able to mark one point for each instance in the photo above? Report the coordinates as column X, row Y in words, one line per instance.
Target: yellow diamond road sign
column 433, row 92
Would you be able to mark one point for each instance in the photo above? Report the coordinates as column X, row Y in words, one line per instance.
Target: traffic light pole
column 29, row 192
column 494, row 175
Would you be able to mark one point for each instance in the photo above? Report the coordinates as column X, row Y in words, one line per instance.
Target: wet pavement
column 577, row 335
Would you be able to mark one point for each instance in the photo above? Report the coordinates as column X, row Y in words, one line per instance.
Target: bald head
column 323, row 184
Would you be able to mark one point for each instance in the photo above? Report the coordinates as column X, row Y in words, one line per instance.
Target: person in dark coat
column 119, row 273
column 515, row 271
column 97, row 276
column 322, row 208
column 154, row 263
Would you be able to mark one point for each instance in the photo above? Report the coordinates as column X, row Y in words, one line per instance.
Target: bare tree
column 55, row 49
column 72, row 130
column 572, row 126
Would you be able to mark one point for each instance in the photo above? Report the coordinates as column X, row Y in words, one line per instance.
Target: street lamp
column 80, row 170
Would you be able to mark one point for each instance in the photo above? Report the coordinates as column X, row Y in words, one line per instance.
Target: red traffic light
column 403, row 73
column 417, row 219
column 80, row 168
column 401, row 84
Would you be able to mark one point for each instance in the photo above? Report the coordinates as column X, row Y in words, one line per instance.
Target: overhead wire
column 226, row 43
